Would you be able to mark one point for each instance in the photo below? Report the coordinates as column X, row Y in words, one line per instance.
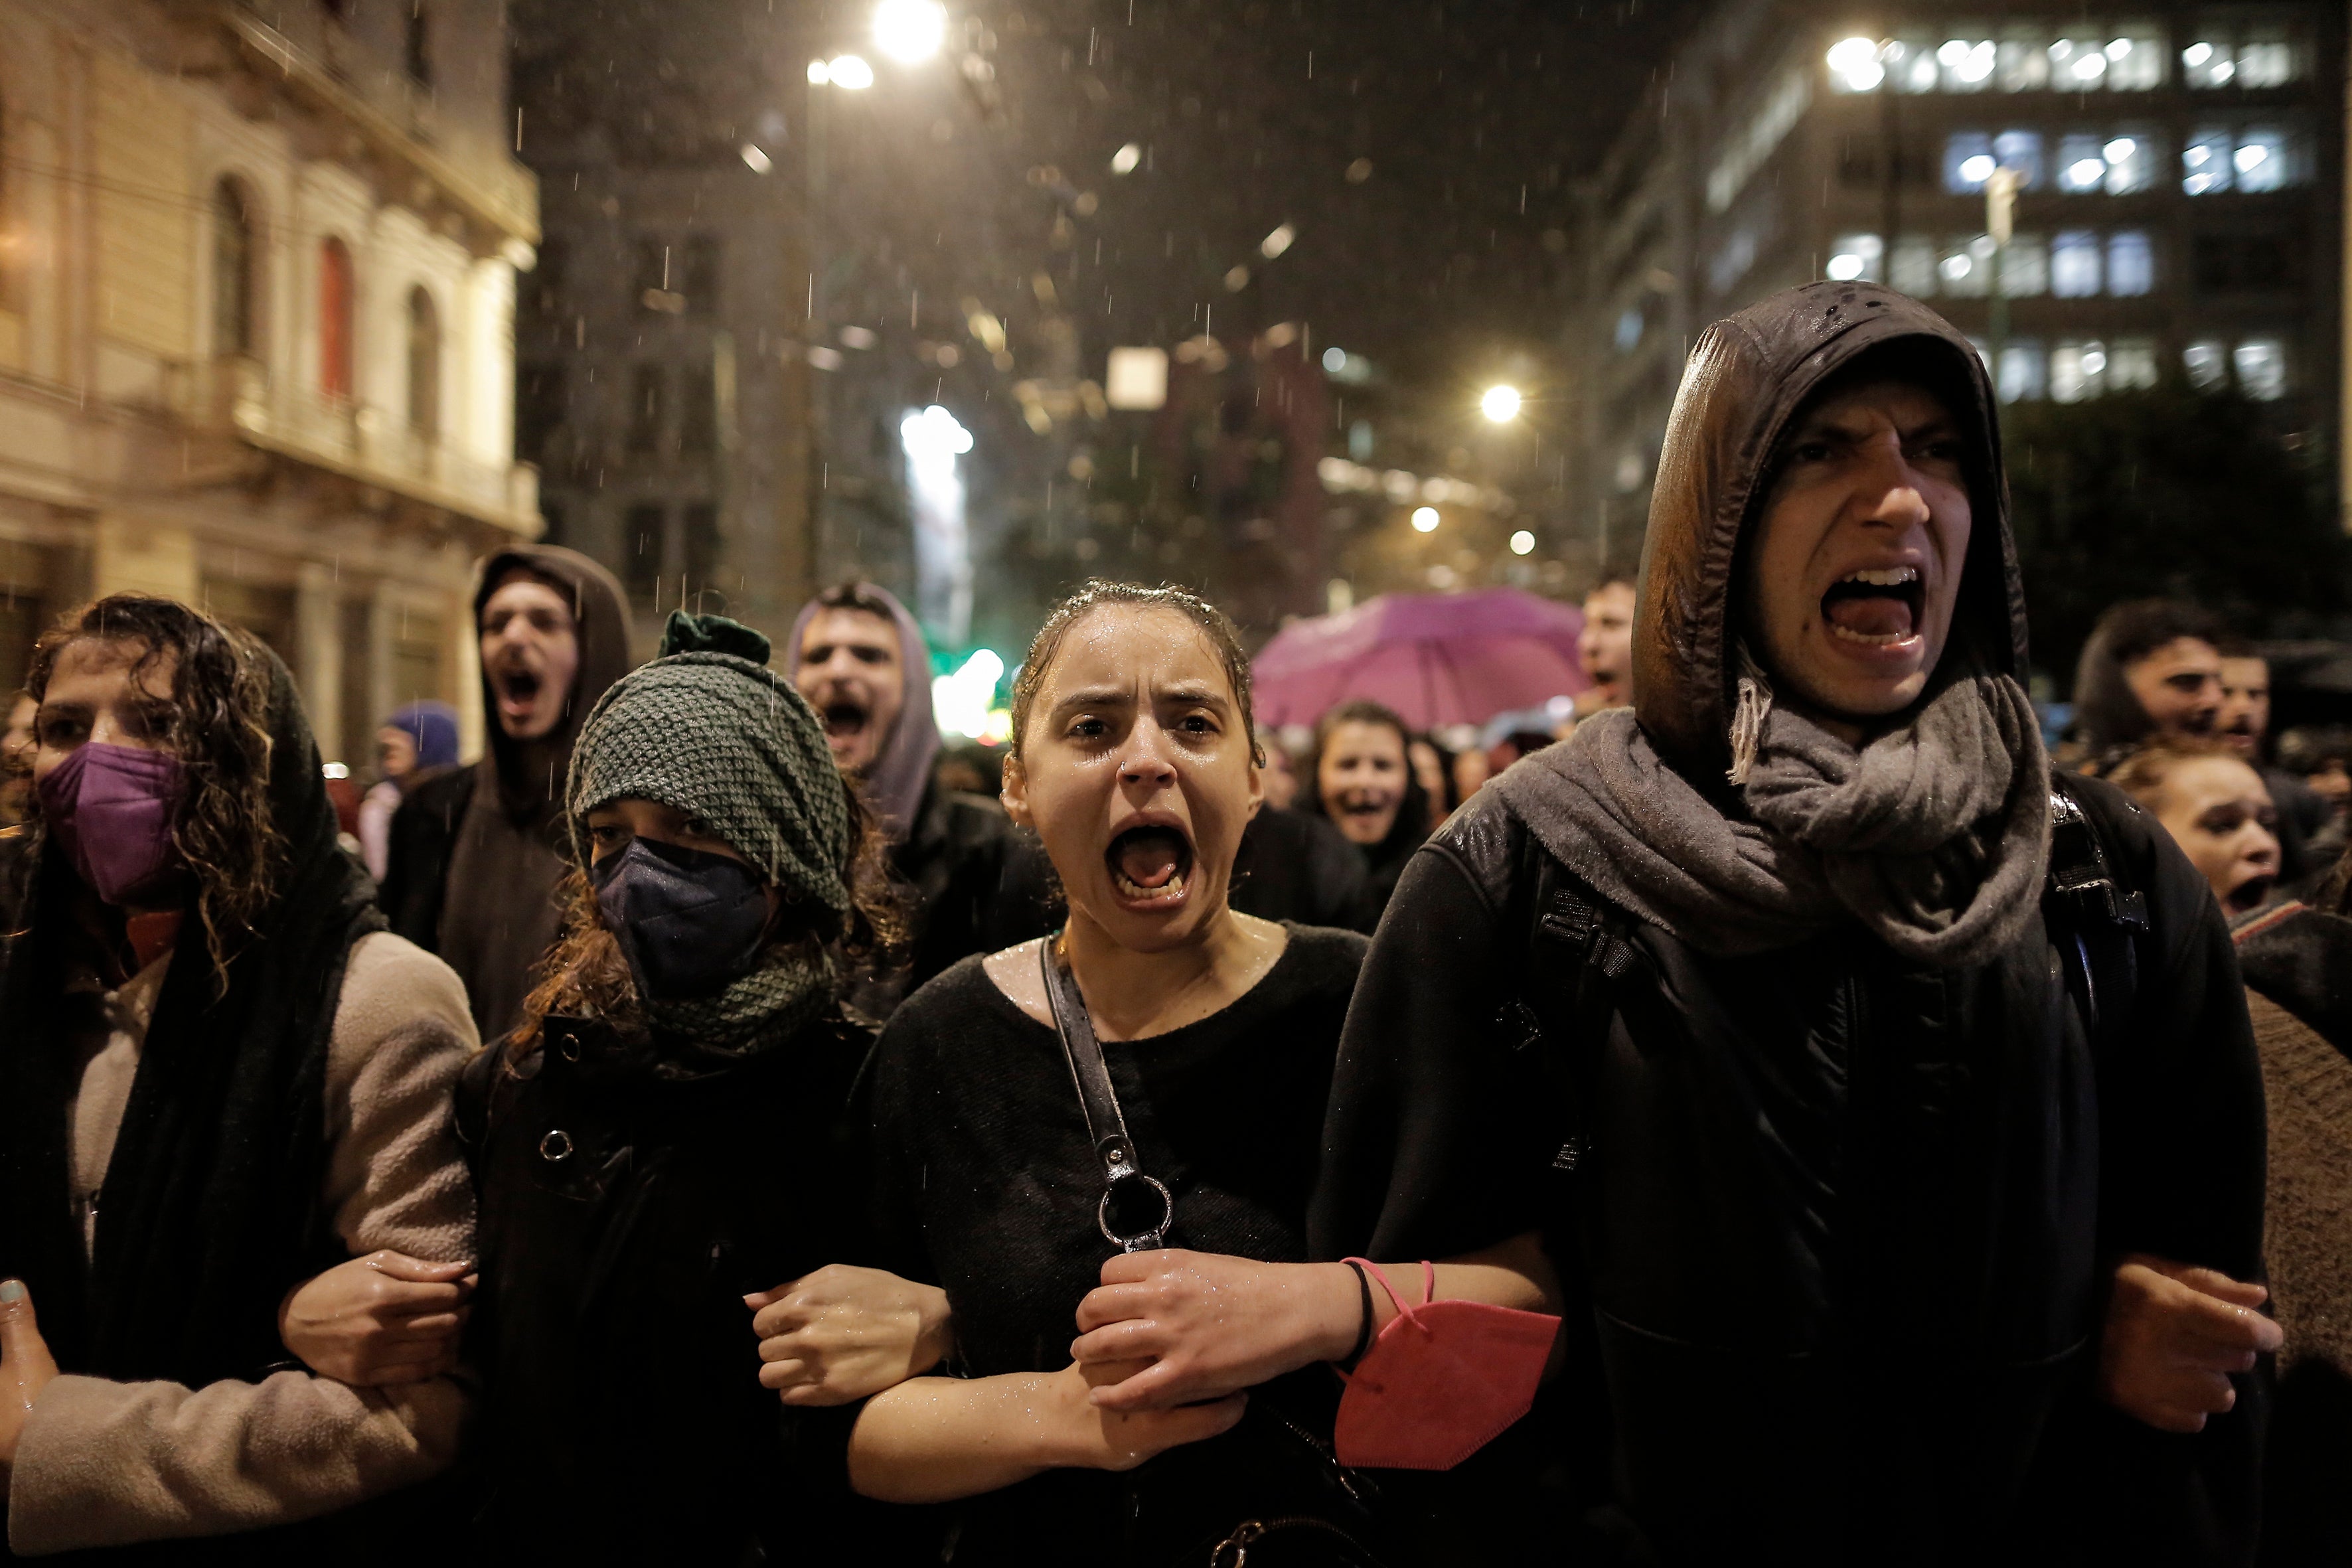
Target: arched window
column 334, row 319
column 234, row 252
column 423, row 363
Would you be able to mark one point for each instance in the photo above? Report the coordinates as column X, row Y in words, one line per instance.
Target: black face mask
column 688, row 921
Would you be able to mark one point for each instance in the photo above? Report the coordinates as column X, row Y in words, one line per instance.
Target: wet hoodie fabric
column 1833, row 1210
column 473, row 871
column 971, row 883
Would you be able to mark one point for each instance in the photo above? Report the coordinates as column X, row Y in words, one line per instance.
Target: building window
column 1968, row 162
column 2134, row 62
column 543, row 402
column 2021, row 151
column 2131, row 264
column 2024, row 60
column 702, row 274
column 2260, row 57
column 2261, row 365
column 2260, row 161
column 697, row 414
column 642, row 545
column 1965, row 267
column 2074, row 267
column 2131, row 364
column 418, row 49
column 2116, row 164
column 2207, row 365
column 647, row 414
column 2024, row 372
column 334, row 319
column 423, row 363
column 1967, row 64
column 2255, row 158
column 1913, row 269
column 701, row 526
column 233, row 255
column 1855, row 256
column 2025, row 267
column 2077, row 370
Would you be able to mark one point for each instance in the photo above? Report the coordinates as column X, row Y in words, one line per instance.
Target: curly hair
column 1097, row 593
column 584, row 974
column 214, row 721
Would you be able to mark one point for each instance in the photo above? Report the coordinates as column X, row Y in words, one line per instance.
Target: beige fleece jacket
column 108, row 1464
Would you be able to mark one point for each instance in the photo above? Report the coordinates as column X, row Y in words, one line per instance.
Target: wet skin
column 530, row 651
column 1605, row 646
column 1856, row 561
column 1362, row 777
column 2179, row 685
column 2245, row 713
column 2218, row 812
column 851, row 674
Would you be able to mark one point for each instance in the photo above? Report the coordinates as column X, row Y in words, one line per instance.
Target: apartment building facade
column 2178, row 180
column 258, row 271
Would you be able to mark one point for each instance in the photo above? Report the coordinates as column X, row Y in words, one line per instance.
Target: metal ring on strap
column 1147, row 1240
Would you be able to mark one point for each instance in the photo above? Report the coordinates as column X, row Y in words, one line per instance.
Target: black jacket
column 623, row 1215
column 1835, row 1227
column 971, row 882
column 422, row 834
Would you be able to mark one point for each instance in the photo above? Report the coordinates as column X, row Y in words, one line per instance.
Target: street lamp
column 1425, row 519
column 911, row 31
column 1500, row 405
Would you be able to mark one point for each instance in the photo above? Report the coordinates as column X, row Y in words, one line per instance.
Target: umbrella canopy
column 1436, row 658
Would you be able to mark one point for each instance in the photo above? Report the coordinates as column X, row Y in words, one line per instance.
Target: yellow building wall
column 133, row 556
column 140, row 132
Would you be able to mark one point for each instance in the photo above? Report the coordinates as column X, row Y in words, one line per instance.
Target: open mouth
column 518, row 690
column 2251, row 894
column 1149, row 865
column 1877, row 607
column 845, row 717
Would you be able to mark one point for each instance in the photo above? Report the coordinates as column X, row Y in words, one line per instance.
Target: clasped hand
column 381, row 1320
column 1198, row 1325
column 844, row 1333
column 2173, row 1336
column 26, row 1368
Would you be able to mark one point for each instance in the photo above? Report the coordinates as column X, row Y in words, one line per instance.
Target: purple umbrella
column 1436, row 658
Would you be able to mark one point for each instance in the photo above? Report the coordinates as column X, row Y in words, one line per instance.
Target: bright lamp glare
column 962, row 702
column 1275, row 244
column 1975, row 171
column 1124, row 161
column 1425, row 519
column 1501, row 404
column 1523, row 543
column 909, row 31
column 819, row 73
column 849, row 71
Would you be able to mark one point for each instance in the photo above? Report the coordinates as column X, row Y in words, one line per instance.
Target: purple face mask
column 111, row 809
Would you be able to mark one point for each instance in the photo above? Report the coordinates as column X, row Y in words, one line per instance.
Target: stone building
column 257, row 281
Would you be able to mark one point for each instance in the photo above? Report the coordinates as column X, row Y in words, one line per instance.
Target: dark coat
column 1835, row 1226
column 624, row 1215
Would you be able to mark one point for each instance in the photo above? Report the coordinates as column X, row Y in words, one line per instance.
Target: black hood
column 1746, row 378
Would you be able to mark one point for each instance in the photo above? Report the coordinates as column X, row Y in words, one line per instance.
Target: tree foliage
column 2166, row 491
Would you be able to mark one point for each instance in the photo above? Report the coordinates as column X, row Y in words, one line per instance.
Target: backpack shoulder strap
column 2098, row 912
column 2080, row 871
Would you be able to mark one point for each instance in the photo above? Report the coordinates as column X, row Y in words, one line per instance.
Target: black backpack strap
column 2099, row 911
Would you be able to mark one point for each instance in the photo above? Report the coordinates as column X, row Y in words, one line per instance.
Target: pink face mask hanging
column 1444, row 1380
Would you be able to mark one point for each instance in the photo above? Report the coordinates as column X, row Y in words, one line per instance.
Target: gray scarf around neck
column 1935, row 836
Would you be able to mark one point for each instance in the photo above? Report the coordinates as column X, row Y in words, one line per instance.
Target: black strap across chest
column 1105, row 1124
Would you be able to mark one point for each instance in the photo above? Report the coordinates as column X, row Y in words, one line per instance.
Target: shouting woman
column 1100, row 1131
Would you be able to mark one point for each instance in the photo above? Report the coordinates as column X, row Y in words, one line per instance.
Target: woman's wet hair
column 2141, row 771
column 1099, row 594
column 215, row 722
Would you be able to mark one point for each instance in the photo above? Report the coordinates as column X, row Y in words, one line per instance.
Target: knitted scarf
column 1935, row 836
column 708, row 729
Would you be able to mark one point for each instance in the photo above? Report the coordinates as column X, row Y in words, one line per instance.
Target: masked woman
column 218, row 1073
column 1207, row 1038
column 663, row 1135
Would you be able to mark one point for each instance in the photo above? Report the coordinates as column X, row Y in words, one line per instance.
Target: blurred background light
column 909, row 31
column 1501, row 404
column 1425, row 519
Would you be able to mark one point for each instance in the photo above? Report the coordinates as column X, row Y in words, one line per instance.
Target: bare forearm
column 933, row 1439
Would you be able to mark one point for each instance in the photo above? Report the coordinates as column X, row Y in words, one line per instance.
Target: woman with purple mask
column 218, row 1073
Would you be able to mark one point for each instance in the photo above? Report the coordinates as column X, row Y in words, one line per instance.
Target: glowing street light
column 1425, row 519
column 909, row 31
column 1523, row 542
column 1500, row 405
column 843, row 70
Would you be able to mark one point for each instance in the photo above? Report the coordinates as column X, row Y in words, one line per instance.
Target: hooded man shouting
column 475, row 854
column 1895, row 1112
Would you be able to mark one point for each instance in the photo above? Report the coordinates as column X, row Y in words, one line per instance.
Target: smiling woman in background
column 1362, row 777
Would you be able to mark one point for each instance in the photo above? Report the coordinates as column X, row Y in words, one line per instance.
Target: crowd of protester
column 1769, row 1106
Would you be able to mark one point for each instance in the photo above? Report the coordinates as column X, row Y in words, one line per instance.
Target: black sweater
column 989, row 1187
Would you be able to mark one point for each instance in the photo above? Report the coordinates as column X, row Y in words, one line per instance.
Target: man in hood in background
column 477, row 853
column 972, row 884
column 1909, row 1156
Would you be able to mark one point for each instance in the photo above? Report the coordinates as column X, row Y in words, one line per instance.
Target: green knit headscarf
column 708, row 730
